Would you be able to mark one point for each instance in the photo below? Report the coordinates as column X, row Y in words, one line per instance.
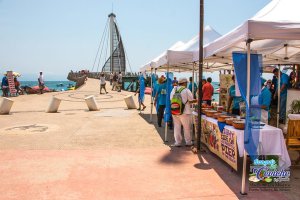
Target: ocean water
column 63, row 86
column 54, row 85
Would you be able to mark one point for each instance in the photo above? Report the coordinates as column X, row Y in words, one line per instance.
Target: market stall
column 227, row 142
column 273, row 34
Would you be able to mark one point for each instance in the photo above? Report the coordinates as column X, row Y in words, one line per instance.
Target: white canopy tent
column 273, row 32
column 188, row 53
column 182, row 57
column 185, row 57
column 154, row 63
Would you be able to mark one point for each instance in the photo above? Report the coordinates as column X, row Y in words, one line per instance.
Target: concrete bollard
column 53, row 106
column 130, row 102
column 5, row 106
column 91, row 103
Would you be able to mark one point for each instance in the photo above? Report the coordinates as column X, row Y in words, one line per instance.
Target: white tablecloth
column 271, row 142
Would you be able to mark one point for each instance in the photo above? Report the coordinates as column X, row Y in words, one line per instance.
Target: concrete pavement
column 113, row 153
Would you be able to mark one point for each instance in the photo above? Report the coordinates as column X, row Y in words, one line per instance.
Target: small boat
column 60, row 85
column 71, row 88
column 34, row 89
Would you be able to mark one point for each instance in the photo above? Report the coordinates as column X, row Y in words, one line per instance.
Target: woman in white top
column 102, row 84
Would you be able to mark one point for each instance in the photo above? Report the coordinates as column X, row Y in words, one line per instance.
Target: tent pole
column 193, row 92
column 151, row 96
column 243, row 188
column 193, row 79
column 199, row 126
column 140, row 93
column 278, row 95
column 166, row 120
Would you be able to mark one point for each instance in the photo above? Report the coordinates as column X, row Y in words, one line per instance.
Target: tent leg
column 166, row 132
column 243, row 188
column 193, row 91
column 278, row 95
column 151, row 97
column 166, row 120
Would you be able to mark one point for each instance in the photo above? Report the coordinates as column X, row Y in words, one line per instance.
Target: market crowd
column 188, row 91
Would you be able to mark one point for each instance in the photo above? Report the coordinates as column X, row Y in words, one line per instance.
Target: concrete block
column 5, row 106
column 53, row 105
column 91, row 103
column 130, row 102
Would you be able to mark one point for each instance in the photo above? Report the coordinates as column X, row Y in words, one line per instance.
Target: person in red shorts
column 207, row 91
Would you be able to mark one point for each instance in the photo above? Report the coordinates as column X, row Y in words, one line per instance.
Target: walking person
column 41, row 82
column 140, row 97
column 119, row 82
column 102, row 83
column 160, row 99
column 207, row 91
column 111, row 78
column 183, row 117
column 114, row 81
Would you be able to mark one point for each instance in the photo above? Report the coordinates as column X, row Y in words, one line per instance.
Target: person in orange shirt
column 207, row 91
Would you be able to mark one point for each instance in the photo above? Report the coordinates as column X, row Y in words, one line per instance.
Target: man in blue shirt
column 284, row 81
column 264, row 101
column 4, row 86
column 175, row 82
column 190, row 87
column 234, row 99
column 160, row 99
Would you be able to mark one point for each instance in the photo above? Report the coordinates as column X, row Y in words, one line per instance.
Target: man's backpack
column 177, row 106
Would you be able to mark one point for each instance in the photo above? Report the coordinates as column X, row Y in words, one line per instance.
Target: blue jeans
column 282, row 108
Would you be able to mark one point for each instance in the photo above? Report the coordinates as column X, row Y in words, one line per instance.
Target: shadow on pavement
column 160, row 130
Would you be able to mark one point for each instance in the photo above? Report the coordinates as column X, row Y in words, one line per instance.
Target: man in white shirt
column 41, row 82
column 185, row 118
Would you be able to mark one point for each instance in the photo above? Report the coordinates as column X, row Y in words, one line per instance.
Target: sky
column 56, row 36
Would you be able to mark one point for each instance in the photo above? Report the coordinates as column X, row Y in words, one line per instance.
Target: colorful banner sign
column 223, row 144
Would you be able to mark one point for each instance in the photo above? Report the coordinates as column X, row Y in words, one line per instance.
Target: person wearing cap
column 160, row 99
column 184, row 119
column 284, row 81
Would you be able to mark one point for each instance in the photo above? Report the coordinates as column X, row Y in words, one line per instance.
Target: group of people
column 17, row 85
column 185, row 88
column 187, row 92
column 5, row 86
column 268, row 96
column 115, row 81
